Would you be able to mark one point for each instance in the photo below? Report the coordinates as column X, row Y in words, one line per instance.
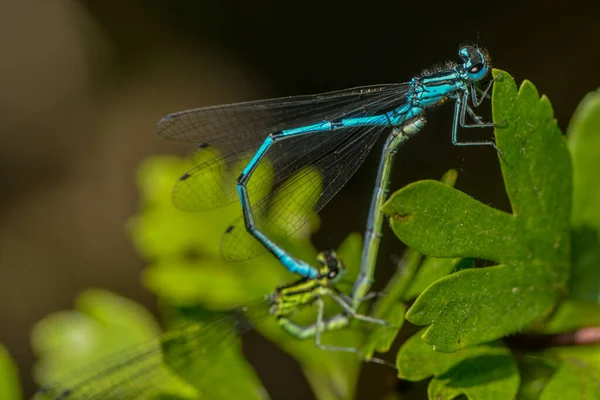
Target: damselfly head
column 475, row 62
column 333, row 267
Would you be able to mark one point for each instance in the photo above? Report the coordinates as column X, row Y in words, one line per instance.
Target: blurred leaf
column 487, row 371
column 332, row 375
column 190, row 283
column 207, row 356
column 390, row 308
column 582, row 308
column 350, row 251
column 584, row 143
column 532, row 244
column 160, row 229
column 450, row 177
column 288, row 211
column 103, row 324
column 572, row 314
column 535, row 372
column 573, row 381
column 185, row 277
column 111, row 347
column 381, row 337
column 10, row 388
column 578, row 375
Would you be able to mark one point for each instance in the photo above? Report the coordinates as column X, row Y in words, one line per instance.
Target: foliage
column 546, row 277
column 545, row 280
column 193, row 283
column 10, row 388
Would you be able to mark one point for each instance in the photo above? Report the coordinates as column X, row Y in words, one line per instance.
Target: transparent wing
column 237, row 130
column 306, row 191
column 178, row 363
column 230, row 125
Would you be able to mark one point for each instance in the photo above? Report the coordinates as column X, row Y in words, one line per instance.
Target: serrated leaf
column 532, row 245
column 431, row 268
column 413, row 274
column 10, row 388
column 487, row 371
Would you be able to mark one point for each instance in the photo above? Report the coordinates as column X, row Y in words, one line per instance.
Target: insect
column 192, row 351
column 331, row 132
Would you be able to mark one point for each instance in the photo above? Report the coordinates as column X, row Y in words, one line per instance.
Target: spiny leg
column 350, row 311
column 484, row 93
column 460, row 110
column 322, row 327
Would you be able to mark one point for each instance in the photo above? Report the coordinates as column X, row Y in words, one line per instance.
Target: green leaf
column 10, row 388
column 381, row 337
column 573, row 381
column 531, row 245
column 571, row 315
column 412, row 275
column 212, row 283
column 582, row 308
column 350, row 251
column 74, row 346
column 390, row 308
column 431, row 270
column 332, row 375
column 187, row 271
column 577, row 372
column 535, row 374
column 108, row 330
column 102, row 324
column 487, row 371
column 160, row 230
column 584, row 143
column 209, row 362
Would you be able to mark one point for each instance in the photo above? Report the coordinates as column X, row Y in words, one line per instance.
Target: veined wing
column 230, row 125
column 333, row 158
column 182, row 363
column 237, row 130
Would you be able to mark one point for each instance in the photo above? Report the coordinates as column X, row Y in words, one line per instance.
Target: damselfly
column 332, row 132
column 191, row 353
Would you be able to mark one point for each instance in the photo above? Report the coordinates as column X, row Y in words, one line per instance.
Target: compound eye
column 333, row 273
column 475, row 68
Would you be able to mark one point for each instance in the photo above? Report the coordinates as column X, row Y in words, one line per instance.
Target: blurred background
column 84, row 82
